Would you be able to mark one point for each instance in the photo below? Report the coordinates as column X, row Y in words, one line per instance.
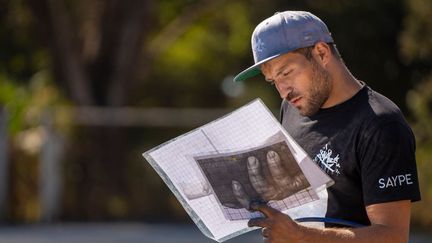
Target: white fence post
column 4, row 163
column 50, row 182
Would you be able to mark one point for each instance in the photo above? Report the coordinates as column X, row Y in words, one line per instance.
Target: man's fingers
column 265, row 232
column 269, row 212
column 259, row 222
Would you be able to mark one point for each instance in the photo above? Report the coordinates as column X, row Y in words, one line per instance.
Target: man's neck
column 344, row 85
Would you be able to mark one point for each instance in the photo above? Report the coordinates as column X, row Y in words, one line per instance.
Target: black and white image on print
column 264, row 174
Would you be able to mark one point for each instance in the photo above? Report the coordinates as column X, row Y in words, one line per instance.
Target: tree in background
column 99, row 51
column 182, row 53
column 25, row 93
column 90, row 50
column 416, row 48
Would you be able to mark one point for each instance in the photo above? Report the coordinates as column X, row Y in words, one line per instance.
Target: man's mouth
column 295, row 100
column 293, row 97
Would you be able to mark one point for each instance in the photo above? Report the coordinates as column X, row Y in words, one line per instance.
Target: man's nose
column 282, row 88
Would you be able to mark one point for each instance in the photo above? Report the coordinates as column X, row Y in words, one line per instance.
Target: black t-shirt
column 365, row 145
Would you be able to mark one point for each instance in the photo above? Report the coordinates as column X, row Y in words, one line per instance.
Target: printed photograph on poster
column 263, row 174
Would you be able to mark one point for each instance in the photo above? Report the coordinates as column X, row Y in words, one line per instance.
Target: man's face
column 303, row 83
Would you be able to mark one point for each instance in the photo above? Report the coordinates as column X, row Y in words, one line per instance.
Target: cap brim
column 252, row 70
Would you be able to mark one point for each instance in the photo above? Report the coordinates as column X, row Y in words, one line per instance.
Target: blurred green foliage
column 184, row 55
column 26, row 107
column 416, row 47
column 15, row 99
column 420, row 103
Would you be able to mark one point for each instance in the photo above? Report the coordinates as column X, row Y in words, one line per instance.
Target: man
column 353, row 133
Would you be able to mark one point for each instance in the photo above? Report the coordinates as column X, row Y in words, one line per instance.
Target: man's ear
column 322, row 53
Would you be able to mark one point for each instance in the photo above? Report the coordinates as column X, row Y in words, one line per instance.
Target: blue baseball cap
column 282, row 33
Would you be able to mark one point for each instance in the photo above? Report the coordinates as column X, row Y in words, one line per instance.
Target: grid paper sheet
column 248, row 127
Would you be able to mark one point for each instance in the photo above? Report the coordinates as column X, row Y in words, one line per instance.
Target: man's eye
column 287, row 73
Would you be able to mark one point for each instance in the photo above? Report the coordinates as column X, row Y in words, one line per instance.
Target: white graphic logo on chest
column 327, row 162
column 394, row 181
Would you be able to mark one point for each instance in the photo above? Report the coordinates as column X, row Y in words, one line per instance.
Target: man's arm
column 389, row 223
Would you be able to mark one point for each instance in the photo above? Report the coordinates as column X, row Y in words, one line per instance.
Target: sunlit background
column 86, row 86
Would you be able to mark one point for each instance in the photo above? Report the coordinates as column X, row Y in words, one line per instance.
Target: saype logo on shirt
column 395, row 181
column 328, row 161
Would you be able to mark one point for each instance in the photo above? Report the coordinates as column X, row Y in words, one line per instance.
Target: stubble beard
column 318, row 92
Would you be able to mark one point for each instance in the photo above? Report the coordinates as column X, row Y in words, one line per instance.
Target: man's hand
column 276, row 226
column 389, row 223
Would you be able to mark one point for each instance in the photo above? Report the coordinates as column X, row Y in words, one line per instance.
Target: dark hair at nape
column 307, row 51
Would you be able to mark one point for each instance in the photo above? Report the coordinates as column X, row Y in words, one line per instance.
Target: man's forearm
column 375, row 233
column 390, row 224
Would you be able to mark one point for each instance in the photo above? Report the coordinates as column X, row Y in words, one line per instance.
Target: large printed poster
column 217, row 170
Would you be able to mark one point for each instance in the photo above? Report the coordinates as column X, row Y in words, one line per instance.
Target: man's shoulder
column 381, row 109
column 381, row 105
column 382, row 117
column 367, row 109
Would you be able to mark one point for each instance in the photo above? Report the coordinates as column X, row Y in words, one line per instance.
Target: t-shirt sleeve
column 388, row 164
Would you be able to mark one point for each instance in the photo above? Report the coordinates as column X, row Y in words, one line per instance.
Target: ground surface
column 127, row 233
